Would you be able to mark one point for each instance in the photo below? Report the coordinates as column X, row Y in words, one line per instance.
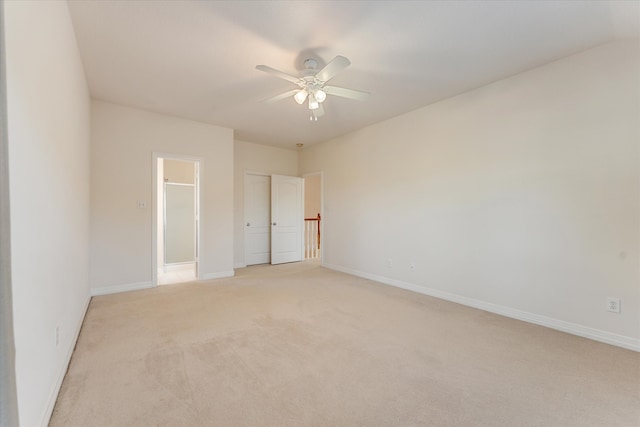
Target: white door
column 257, row 216
column 287, row 219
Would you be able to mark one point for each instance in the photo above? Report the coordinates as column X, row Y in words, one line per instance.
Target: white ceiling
column 196, row 59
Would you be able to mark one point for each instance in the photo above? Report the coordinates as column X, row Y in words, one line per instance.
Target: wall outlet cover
column 613, row 305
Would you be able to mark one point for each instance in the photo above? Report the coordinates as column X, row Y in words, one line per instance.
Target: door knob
column 248, row 224
column 275, row 223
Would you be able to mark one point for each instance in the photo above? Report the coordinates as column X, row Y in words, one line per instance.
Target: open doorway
column 177, row 225
column 313, row 216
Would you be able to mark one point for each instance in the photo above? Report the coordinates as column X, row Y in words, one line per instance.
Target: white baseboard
column 105, row 290
column 239, row 265
column 218, row 275
column 53, row 396
column 560, row 325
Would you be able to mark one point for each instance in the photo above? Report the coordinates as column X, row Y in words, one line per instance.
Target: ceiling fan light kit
column 312, row 85
column 300, row 96
column 313, row 102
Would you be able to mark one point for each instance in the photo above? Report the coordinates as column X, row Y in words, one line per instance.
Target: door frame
column 199, row 166
column 323, row 225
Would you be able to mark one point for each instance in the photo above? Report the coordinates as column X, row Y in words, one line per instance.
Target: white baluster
column 311, row 249
column 315, row 239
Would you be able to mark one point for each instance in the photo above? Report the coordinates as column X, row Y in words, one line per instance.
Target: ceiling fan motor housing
column 310, row 64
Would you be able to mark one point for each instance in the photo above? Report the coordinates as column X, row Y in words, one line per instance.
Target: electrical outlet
column 389, row 263
column 613, row 305
column 142, row 204
column 412, row 266
column 57, row 335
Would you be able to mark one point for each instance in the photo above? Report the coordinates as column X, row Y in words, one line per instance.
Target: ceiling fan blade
column 280, row 97
column 346, row 93
column 334, row 66
column 277, row 73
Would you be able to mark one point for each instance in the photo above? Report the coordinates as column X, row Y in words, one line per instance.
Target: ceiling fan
column 312, row 84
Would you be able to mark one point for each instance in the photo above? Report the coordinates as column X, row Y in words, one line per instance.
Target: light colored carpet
column 300, row 345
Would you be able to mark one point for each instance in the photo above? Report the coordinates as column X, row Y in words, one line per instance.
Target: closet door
column 287, row 219
column 257, row 216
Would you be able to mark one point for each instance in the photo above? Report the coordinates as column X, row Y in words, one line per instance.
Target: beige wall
column 312, row 198
column 255, row 158
column 48, row 143
column 123, row 142
column 520, row 197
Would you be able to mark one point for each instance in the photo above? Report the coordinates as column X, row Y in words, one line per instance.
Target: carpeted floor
column 300, row 345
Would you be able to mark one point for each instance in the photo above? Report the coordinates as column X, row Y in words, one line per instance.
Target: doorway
column 313, row 226
column 177, row 227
